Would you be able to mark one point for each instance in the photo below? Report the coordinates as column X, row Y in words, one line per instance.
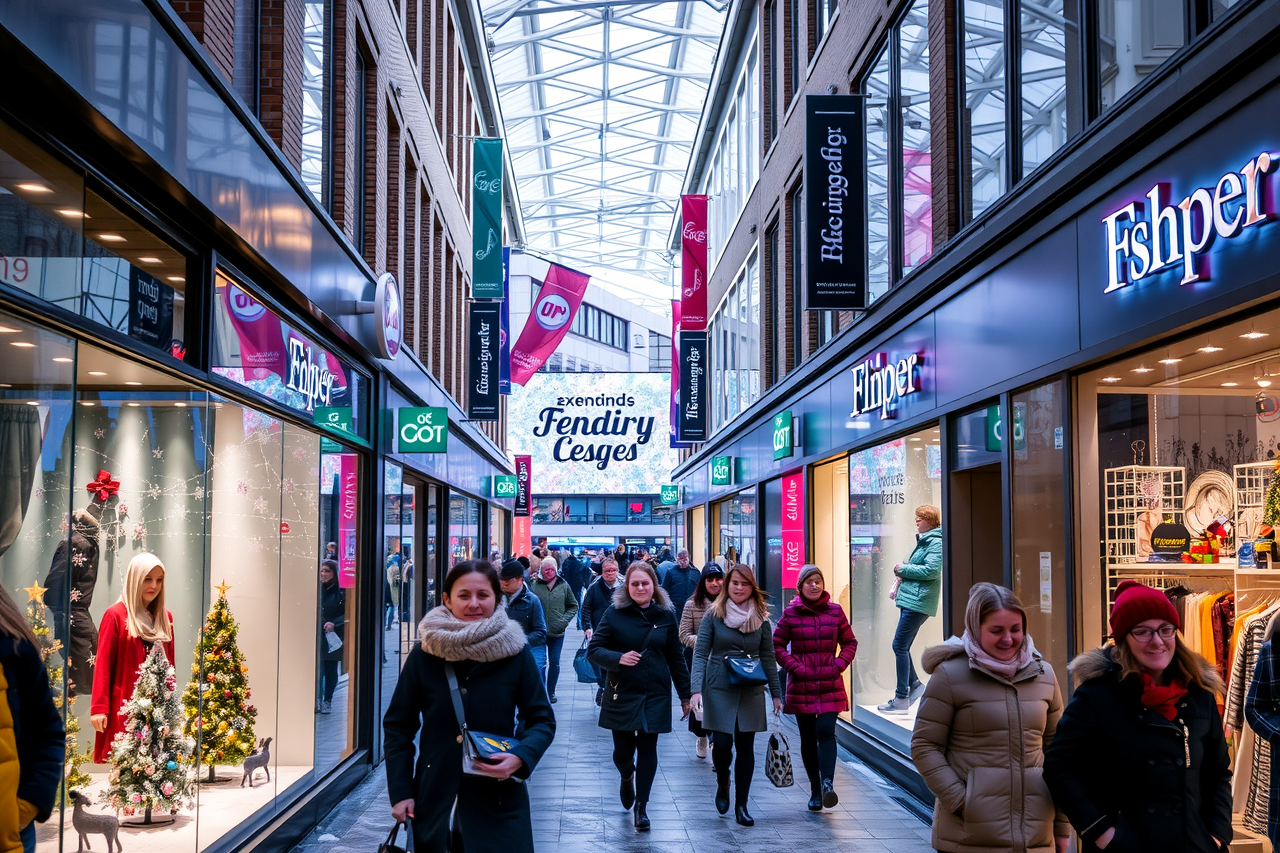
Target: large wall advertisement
column 594, row 433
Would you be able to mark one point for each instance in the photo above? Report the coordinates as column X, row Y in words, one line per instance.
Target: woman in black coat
column 500, row 683
column 1139, row 763
column 637, row 643
column 333, row 619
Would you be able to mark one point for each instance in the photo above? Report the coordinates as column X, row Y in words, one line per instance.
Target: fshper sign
column 423, row 430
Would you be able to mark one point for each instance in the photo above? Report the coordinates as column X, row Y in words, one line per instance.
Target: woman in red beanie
column 1139, row 763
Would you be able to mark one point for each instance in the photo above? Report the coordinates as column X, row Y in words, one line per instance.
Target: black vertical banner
column 834, row 203
column 691, row 416
column 524, row 466
column 150, row 310
column 483, row 346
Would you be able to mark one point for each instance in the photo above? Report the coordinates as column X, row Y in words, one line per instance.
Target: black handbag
column 745, row 671
column 390, row 846
column 477, row 747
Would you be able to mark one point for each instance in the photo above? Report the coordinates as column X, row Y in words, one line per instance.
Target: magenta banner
column 693, row 263
column 349, row 494
column 548, row 322
column 675, row 363
column 262, row 350
column 792, row 528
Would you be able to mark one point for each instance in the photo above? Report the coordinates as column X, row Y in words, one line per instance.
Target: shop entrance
column 976, row 537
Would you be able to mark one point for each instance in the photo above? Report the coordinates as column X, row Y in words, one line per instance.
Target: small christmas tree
column 1271, row 504
column 216, row 701
column 149, row 758
column 37, row 618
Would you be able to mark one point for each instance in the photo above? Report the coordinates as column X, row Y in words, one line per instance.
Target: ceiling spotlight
column 1263, row 379
column 133, row 383
column 175, row 278
column 86, row 402
column 33, row 402
column 1253, row 335
column 97, row 373
column 7, row 330
column 1209, row 348
column 1111, row 379
column 1230, row 384
column 34, row 188
column 148, row 260
column 71, row 213
column 1170, row 360
column 62, row 359
column 134, row 405
column 181, row 405
column 111, row 238
column 22, row 344
column 1142, row 369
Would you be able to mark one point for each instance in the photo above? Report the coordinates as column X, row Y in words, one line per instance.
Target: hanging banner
column 522, row 536
column 348, row 514
column 793, row 543
column 150, row 310
column 675, row 367
column 548, row 322
column 486, row 219
column 693, row 263
column 835, row 238
column 691, row 421
column 482, row 359
column 524, row 483
column 504, row 327
column 259, row 332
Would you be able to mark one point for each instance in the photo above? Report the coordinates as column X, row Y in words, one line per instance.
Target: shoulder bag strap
column 456, row 695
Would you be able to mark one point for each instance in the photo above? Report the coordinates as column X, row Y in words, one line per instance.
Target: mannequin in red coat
column 129, row 628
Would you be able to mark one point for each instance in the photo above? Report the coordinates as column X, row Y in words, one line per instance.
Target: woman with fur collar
column 637, row 643
column 500, row 684
column 1140, row 763
column 990, row 707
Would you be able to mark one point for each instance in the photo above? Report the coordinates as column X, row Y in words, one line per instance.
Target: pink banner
column 349, row 489
column 693, row 263
column 793, row 500
column 675, row 363
column 548, row 322
column 522, row 536
column 262, row 350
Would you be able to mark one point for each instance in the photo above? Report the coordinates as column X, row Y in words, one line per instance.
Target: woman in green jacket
column 919, row 585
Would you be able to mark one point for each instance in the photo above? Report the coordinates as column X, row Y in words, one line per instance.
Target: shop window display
column 735, row 522
column 464, row 529
column 1178, row 447
column 887, row 483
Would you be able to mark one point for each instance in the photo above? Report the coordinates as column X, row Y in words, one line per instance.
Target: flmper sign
column 1145, row 239
column 881, row 384
column 835, row 161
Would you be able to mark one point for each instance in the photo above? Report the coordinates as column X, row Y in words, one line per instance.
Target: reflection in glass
column 877, row 89
column 917, row 176
column 984, row 106
column 736, row 520
column 337, row 598
column 1047, row 34
column 831, row 537
column 1135, row 39
column 464, row 529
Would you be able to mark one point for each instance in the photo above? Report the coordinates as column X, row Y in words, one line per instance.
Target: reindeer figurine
column 261, row 758
column 86, row 823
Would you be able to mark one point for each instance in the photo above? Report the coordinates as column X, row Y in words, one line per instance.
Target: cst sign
column 505, row 486
column 423, row 430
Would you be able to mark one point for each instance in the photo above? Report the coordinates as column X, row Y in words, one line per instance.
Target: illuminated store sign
column 783, row 435
column 423, row 430
column 1145, row 239
column 505, row 486
column 722, row 471
column 881, row 384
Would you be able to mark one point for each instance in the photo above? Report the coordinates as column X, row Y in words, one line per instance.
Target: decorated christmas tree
column 150, row 758
column 37, row 618
column 1271, row 504
column 219, row 716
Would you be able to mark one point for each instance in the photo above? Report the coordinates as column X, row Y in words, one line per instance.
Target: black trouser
column 637, row 752
column 329, row 678
column 722, row 747
column 695, row 725
column 818, row 747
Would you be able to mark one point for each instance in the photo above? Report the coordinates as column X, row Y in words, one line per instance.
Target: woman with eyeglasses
column 1139, row 762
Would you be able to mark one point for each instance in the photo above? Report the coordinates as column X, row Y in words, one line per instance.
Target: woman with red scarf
column 1139, row 762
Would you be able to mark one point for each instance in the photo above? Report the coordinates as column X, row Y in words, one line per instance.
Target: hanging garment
column 1223, row 615
column 1251, row 639
column 1262, row 710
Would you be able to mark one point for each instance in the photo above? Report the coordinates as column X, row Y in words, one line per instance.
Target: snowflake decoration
column 145, row 433
column 64, row 526
column 300, row 453
column 154, row 491
column 260, row 505
column 78, row 559
column 122, row 510
column 198, row 493
column 243, row 487
column 287, row 484
column 99, row 432
column 139, row 531
column 76, row 595
column 157, row 452
column 39, row 494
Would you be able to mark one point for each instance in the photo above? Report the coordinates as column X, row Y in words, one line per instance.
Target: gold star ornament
column 35, row 592
column 222, row 588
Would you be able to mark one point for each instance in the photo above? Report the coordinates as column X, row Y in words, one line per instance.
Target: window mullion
column 897, row 238
column 1013, row 90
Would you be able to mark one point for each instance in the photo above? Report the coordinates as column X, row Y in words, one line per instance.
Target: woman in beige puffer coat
column 989, row 710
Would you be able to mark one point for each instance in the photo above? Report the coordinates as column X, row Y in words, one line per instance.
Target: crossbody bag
column 477, row 747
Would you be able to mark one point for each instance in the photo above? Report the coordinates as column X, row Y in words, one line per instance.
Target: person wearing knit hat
column 1139, row 759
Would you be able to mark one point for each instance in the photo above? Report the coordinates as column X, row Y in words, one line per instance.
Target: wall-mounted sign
column 1143, row 239
column 483, row 349
column 691, row 417
column 389, row 310
column 670, row 495
column 693, row 262
column 348, row 515
column 150, row 310
column 486, row 219
column 334, row 417
column 524, row 486
column 783, row 435
column 423, row 430
column 505, row 486
column 793, row 539
column 880, row 384
column 309, row 374
column 722, row 471
column 835, row 233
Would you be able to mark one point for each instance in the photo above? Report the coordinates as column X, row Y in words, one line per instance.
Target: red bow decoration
column 103, row 488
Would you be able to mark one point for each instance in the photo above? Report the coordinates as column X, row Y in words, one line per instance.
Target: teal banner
column 486, row 219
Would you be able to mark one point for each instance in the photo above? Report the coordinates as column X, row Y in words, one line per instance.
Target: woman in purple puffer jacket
column 811, row 631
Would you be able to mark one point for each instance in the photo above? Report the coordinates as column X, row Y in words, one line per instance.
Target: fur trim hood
column 622, row 598
column 446, row 636
column 1096, row 663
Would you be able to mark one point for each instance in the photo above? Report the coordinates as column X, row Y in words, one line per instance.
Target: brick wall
column 280, row 75
column 213, row 23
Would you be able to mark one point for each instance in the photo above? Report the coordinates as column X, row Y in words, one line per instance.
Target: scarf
column 1162, row 698
column 741, row 619
column 446, row 636
column 1006, row 669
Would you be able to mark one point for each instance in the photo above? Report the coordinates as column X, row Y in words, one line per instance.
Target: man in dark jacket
column 38, row 737
column 680, row 581
column 524, row 608
column 576, row 573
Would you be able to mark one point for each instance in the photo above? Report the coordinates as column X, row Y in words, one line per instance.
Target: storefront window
column 697, row 532
column 736, row 525
column 887, row 485
column 464, row 529
column 831, row 535
column 498, row 521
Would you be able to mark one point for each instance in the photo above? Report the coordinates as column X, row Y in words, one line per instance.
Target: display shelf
column 1252, row 481
column 1139, row 493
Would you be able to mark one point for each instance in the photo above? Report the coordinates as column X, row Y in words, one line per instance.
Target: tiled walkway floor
column 576, row 810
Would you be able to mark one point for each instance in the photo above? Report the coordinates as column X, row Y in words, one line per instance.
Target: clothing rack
column 1162, row 576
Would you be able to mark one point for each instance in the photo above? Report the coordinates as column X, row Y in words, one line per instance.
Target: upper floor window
column 659, row 353
column 315, row 100
column 734, row 338
column 735, row 161
column 591, row 322
column 821, row 13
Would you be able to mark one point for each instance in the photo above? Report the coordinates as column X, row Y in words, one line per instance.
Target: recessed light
column 133, row 383
column 33, row 402
column 1111, row 379
column 1253, row 336
column 86, row 402
column 134, row 405
column 5, row 385
column 1209, row 348
column 71, row 213
column 148, row 260
column 111, row 238
column 23, row 344
column 1142, row 369
column 1230, row 384
column 97, row 373
column 6, row 330
column 1264, row 383
column 181, row 405
column 1170, row 360
column 34, row 188
column 176, row 278
column 62, row 359
column 913, row 438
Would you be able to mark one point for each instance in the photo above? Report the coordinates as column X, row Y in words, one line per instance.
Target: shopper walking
column 736, row 629
column 680, row 581
column 1139, row 762
column 524, row 608
column 919, row 582
column 710, row 584
column 637, row 644
column 814, row 644
column 595, row 601
column 560, row 606
column 333, row 620
column 470, row 637
column 991, row 706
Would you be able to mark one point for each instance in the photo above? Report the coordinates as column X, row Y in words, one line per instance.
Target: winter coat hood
column 446, row 636
column 1096, row 663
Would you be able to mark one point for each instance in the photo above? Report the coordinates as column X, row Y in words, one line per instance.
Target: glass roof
column 600, row 102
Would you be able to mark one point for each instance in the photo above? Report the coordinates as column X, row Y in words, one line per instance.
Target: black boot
column 722, row 792
column 642, row 819
column 815, row 801
column 627, row 791
column 741, row 816
column 829, row 798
